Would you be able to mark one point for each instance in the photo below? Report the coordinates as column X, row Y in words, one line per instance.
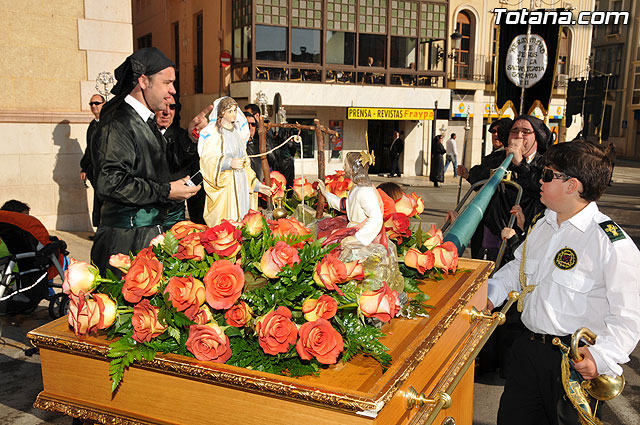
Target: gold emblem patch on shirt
column 612, row 230
column 565, row 259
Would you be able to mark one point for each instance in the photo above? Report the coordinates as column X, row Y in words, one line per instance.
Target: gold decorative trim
column 44, row 117
column 51, row 404
column 472, row 341
column 413, row 362
column 236, row 377
column 68, row 345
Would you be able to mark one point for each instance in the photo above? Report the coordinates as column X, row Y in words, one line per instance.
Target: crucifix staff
column 320, row 132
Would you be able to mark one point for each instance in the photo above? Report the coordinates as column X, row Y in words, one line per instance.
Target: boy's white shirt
column 601, row 292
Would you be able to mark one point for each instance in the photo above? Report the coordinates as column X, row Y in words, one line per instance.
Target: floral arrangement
column 261, row 294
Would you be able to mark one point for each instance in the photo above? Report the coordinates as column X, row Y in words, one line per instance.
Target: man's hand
column 199, row 122
column 517, row 211
column 507, row 233
column 451, row 216
column 180, row 191
column 237, row 163
column 489, row 305
column 516, row 146
column 463, row 172
column 83, row 176
column 587, row 366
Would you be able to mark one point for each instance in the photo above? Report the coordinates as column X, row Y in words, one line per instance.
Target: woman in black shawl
column 436, row 174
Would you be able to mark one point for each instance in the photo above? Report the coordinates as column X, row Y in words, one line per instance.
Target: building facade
column 622, row 110
column 364, row 67
column 51, row 58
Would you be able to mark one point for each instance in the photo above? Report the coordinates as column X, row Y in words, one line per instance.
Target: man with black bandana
column 133, row 161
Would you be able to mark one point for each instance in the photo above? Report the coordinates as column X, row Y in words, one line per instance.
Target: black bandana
column 147, row 61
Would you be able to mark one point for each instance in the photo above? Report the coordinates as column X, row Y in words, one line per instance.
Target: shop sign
column 389, row 114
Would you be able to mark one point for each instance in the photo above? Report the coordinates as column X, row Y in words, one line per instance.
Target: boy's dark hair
column 393, row 190
column 584, row 161
column 255, row 109
column 15, row 206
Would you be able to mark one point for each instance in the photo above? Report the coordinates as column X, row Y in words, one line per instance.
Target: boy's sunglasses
column 548, row 175
column 95, row 103
column 172, row 106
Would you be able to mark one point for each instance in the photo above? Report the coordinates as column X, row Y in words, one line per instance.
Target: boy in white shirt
column 581, row 270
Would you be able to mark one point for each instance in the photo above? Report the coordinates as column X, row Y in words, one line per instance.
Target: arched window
column 461, row 69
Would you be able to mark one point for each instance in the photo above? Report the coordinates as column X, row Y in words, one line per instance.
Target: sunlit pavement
column 22, row 380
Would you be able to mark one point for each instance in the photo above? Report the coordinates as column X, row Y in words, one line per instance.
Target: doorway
column 380, row 134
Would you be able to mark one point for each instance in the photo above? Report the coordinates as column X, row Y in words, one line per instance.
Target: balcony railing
column 467, row 67
column 337, row 74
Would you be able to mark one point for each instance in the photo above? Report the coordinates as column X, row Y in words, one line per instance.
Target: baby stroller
column 26, row 275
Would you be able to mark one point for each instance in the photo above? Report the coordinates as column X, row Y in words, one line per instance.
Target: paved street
column 21, row 374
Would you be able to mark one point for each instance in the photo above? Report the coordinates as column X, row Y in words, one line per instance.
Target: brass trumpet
column 602, row 387
column 578, row 390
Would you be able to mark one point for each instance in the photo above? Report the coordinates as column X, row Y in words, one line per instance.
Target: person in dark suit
column 133, row 161
column 86, row 167
column 436, row 174
column 396, row 149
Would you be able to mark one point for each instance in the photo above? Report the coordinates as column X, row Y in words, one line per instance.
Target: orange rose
column 80, row 277
column 157, row 241
column 303, row 189
column 190, row 248
column 324, row 307
column 397, row 227
column 278, row 184
column 121, row 262
column 276, row 332
column 183, row 228
column 84, row 314
column 203, row 316
column 145, row 322
column 186, row 294
column 331, row 271
column 388, row 204
column 318, row 339
column 446, row 257
column 252, row 222
column 274, row 259
column 406, row 205
column 224, row 239
column 143, row 277
column 383, row 304
column 419, row 203
column 238, row 315
column 340, row 187
column 106, row 310
column 340, row 175
column 289, row 226
column 209, row 343
column 415, row 259
column 224, row 283
column 434, row 238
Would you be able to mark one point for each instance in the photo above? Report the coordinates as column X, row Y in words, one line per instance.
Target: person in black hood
column 528, row 139
column 133, row 161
